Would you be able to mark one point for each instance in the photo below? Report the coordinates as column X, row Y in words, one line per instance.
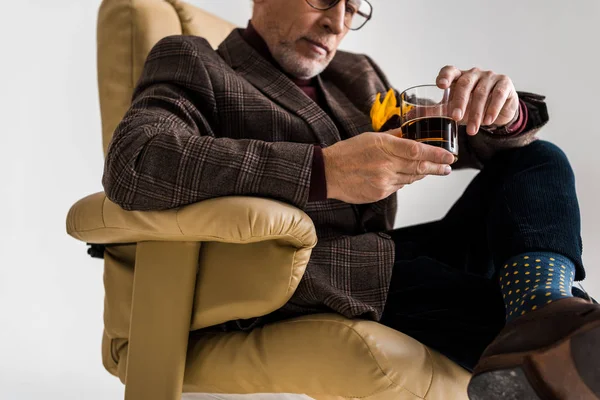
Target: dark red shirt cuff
column 318, row 184
column 516, row 127
column 519, row 125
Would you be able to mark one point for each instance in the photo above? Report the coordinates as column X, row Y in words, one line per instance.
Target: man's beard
column 296, row 65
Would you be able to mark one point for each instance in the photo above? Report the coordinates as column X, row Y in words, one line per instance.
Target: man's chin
column 310, row 68
column 303, row 67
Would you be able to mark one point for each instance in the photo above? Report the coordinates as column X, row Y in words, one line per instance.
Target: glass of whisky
column 425, row 117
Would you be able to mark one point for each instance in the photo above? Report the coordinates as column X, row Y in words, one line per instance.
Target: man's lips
column 317, row 44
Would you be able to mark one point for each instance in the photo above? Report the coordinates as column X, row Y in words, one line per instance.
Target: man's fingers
column 413, row 150
column 479, row 98
column 500, row 95
column 403, row 178
column 447, row 75
column 462, row 93
column 425, row 168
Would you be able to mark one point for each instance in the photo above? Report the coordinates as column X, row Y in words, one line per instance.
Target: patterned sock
column 531, row 280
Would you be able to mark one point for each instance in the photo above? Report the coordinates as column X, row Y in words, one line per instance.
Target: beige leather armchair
column 171, row 272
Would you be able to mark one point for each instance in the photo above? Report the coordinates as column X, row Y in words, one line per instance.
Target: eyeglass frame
column 336, row 2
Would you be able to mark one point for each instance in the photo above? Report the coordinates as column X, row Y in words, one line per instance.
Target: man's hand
column 479, row 97
column 371, row 166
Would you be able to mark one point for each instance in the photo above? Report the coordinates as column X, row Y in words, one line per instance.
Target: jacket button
column 384, row 235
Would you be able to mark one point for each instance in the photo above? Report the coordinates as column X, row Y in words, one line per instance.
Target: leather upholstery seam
column 171, row 235
column 379, row 366
column 177, row 220
column 432, row 371
column 102, row 213
column 114, row 352
column 292, row 274
column 392, row 383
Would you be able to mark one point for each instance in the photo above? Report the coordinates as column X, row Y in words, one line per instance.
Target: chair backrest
column 126, row 32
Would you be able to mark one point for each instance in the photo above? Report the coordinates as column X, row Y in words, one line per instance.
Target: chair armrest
column 253, row 256
column 234, row 219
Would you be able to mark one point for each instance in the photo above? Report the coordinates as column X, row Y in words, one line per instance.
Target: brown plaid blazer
column 207, row 123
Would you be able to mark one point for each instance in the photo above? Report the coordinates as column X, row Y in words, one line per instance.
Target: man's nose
column 333, row 19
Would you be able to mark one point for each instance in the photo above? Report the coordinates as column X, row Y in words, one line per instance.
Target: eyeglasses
column 358, row 12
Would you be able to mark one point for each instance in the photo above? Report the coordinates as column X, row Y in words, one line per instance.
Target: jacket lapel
column 263, row 75
column 352, row 120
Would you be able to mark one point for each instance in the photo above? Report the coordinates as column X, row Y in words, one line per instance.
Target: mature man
column 277, row 112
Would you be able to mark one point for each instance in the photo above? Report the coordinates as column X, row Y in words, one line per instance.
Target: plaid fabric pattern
column 207, row 124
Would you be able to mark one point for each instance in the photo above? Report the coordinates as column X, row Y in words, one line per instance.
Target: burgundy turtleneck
column 318, row 183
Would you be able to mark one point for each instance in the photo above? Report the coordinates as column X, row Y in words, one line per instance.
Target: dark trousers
column 444, row 289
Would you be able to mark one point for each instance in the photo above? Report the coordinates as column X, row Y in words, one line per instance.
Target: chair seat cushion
column 324, row 356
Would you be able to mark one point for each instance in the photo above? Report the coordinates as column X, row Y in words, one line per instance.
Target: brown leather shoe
column 549, row 354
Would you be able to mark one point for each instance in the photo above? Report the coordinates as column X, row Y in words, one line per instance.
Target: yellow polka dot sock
column 532, row 280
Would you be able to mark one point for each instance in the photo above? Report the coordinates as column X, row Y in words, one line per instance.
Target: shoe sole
column 568, row 370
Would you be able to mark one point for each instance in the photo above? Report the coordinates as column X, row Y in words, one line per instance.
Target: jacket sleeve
column 168, row 151
column 474, row 151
